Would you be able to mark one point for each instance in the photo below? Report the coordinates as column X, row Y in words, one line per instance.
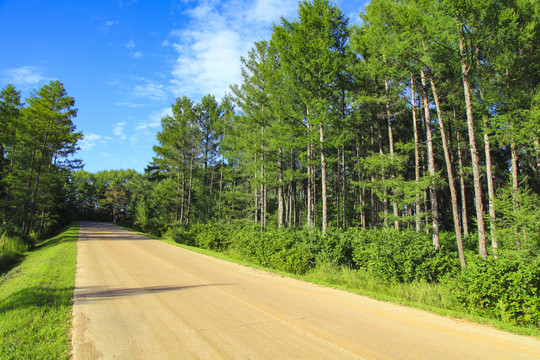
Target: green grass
column 12, row 251
column 36, row 300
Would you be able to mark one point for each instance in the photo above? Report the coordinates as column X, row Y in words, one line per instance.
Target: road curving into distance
column 140, row 298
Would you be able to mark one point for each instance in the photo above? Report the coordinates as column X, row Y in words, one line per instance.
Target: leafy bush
column 180, row 234
column 507, row 289
column 401, row 256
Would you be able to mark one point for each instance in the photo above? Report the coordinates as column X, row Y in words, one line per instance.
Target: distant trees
column 37, row 141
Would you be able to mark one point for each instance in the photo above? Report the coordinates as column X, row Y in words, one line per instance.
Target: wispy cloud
column 217, row 35
column 137, row 55
column 24, row 75
column 154, row 121
column 90, row 140
column 105, row 27
column 130, row 44
column 151, row 90
column 118, row 130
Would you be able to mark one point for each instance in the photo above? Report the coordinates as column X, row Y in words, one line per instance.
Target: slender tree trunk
column 261, row 203
column 515, row 171
column 336, row 188
column 28, row 191
column 281, row 200
column 189, row 189
column 372, row 193
column 431, row 164
column 323, row 182
column 8, row 189
column 295, row 220
column 220, row 186
column 183, row 199
column 489, row 170
column 423, row 164
column 383, row 174
column 391, row 142
column 464, row 216
column 310, row 173
column 450, row 172
column 360, row 188
column 33, row 202
column 256, row 195
column 537, row 151
column 474, row 154
column 343, row 189
column 263, row 183
column 416, row 156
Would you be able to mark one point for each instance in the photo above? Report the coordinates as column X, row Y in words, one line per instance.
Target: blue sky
column 126, row 61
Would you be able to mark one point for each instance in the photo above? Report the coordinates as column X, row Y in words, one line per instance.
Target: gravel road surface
column 139, row 298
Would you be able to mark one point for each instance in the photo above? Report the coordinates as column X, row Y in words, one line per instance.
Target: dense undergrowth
column 400, row 264
column 12, row 249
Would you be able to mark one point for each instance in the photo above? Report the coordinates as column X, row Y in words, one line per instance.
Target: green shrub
column 401, row 256
column 180, row 234
column 507, row 289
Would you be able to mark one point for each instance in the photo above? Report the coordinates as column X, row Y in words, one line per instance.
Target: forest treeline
column 37, row 141
column 425, row 117
column 406, row 148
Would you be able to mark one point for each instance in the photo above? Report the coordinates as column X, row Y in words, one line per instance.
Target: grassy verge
column 36, row 301
column 420, row 294
column 12, row 251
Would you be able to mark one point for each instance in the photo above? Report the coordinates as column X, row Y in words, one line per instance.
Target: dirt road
column 139, row 298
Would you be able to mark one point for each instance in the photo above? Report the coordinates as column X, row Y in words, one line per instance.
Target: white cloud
column 151, row 90
column 137, row 54
column 154, row 120
column 130, row 44
column 270, row 11
column 118, row 130
column 217, row 35
column 24, row 75
column 90, row 140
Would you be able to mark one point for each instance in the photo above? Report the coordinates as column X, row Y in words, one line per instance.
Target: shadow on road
column 96, row 293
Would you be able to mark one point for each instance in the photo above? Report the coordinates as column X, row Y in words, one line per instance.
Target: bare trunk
column 537, row 150
column 372, row 194
column 220, row 187
column 391, row 142
column 343, row 188
column 383, row 175
column 310, row 174
column 323, row 182
column 183, row 200
column 431, row 164
column 474, row 155
column 262, row 202
column 450, row 172
column 281, row 200
column 515, row 171
column 416, row 156
column 256, row 196
column 489, row 170
column 189, row 190
column 361, row 194
column 464, row 216
column 491, row 192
